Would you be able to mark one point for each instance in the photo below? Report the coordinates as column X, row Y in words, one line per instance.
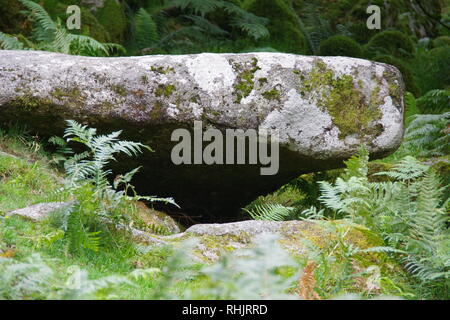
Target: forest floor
column 30, row 175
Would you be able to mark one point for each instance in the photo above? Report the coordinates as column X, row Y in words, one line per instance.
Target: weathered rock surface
column 40, row 211
column 322, row 107
column 157, row 220
column 250, row 228
column 298, row 237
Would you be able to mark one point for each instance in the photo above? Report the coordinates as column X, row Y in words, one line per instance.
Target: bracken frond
column 307, row 282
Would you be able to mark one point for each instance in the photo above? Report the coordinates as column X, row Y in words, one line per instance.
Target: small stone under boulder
column 152, row 221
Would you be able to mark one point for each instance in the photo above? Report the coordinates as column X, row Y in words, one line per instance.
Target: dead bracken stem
column 307, row 282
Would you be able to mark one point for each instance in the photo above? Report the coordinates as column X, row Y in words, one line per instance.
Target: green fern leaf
column 8, row 42
column 146, row 30
column 269, row 211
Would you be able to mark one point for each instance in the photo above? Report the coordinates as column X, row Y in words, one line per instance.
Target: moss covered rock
column 299, row 238
column 343, row 253
column 340, row 46
column 405, row 70
column 153, row 221
column 322, row 108
column 90, row 26
column 40, row 211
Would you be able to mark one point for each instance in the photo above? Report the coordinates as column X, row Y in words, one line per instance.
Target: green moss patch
column 121, row 91
column 351, row 112
column 162, row 70
column 273, row 94
column 262, row 81
column 29, row 102
column 406, row 72
column 72, row 95
column 245, row 79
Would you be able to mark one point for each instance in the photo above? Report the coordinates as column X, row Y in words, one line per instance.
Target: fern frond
column 155, row 199
column 428, row 133
column 62, row 42
column 78, row 132
column 91, row 166
column 410, row 103
column 435, row 101
column 206, row 26
column 158, row 229
column 409, row 168
column 38, row 14
column 146, row 29
column 269, row 211
column 8, row 42
column 382, row 250
column 315, row 28
column 330, row 196
column 85, row 45
column 51, row 35
column 313, row 214
column 247, row 22
column 345, row 196
column 255, row 30
column 357, row 165
column 19, row 280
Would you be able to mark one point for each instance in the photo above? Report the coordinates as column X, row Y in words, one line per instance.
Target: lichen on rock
column 343, row 99
column 322, row 108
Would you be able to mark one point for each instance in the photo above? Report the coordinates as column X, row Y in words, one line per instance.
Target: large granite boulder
column 323, row 108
